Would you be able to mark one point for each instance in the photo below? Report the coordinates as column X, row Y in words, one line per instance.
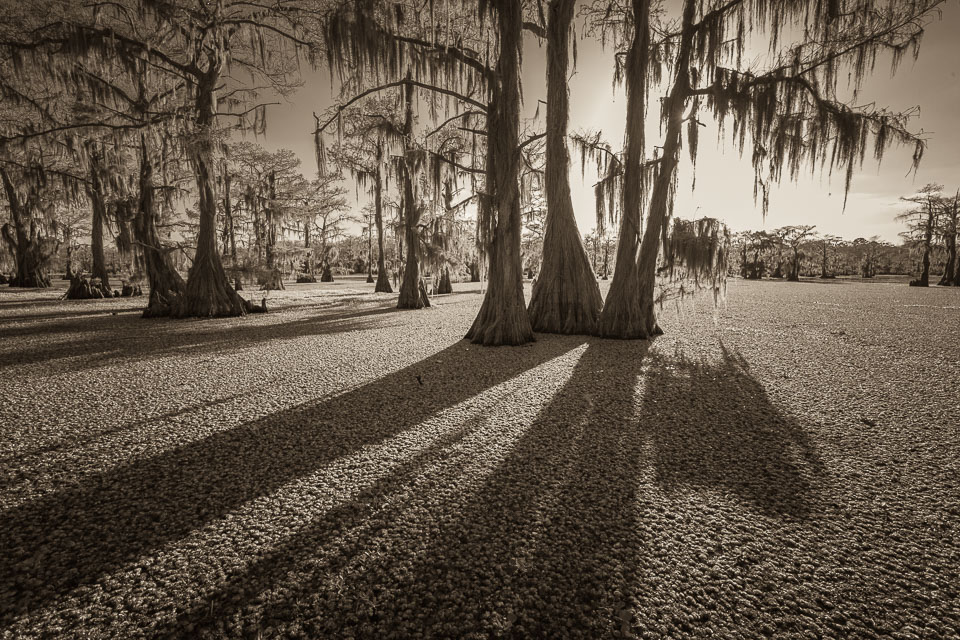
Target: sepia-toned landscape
column 479, row 319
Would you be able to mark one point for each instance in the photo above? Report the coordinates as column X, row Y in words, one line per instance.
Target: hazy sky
column 724, row 181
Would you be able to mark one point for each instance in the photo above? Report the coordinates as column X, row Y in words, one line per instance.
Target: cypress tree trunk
column 370, row 253
column 325, row 274
column 399, row 273
column 474, row 268
column 207, row 292
column 650, row 245
column 230, row 227
column 233, row 242
column 412, row 295
column 123, row 213
column 271, row 221
column 68, row 240
column 503, row 315
column 924, row 279
column 166, row 285
column 566, row 297
column 948, row 278
column 383, row 278
column 951, row 270
column 254, row 200
column 794, row 275
column 661, row 200
column 445, row 286
column 99, row 206
column 228, row 234
column 274, row 277
column 324, row 263
column 308, row 259
column 623, row 314
column 29, row 251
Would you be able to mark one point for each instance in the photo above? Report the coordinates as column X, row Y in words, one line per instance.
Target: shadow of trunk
column 71, row 537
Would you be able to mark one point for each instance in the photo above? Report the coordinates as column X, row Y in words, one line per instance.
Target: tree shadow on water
column 568, row 583
column 315, row 554
column 73, row 536
column 715, row 427
column 528, row 553
column 13, row 464
column 553, row 541
column 111, row 340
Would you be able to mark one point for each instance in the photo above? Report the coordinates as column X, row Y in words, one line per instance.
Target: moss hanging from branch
column 696, row 257
column 788, row 115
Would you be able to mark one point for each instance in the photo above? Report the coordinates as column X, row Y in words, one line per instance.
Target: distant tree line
column 929, row 247
column 794, row 251
column 131, row 111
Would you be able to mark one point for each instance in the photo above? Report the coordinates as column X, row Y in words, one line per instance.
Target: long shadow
column 105, row 339
column 73, row 536
column 571, row 556
column 349, row 520
column 719, row 452
column 558, row 539
column 11, row 463
column 527, row 554
column 715, row 427
column 59, row 315
column 20, row 303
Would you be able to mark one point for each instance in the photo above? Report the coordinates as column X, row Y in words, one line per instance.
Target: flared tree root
column 88, row 288
column 445, row 286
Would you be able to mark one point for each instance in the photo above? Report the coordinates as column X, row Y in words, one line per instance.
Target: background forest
column 127, row 151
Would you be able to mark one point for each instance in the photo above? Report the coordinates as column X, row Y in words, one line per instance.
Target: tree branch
column 453, row 163
column 535, row 29
column 458, row 54
column 452, row 118
column 533, row 138
column 715, row 14
column 390, row 85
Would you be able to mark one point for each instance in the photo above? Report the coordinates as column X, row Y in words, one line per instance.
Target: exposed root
column 271, row 280
column 88, row 288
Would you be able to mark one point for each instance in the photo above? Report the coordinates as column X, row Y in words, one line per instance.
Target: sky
column 724, row 181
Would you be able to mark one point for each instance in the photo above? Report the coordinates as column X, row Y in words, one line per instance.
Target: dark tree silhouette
column 922, row 222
